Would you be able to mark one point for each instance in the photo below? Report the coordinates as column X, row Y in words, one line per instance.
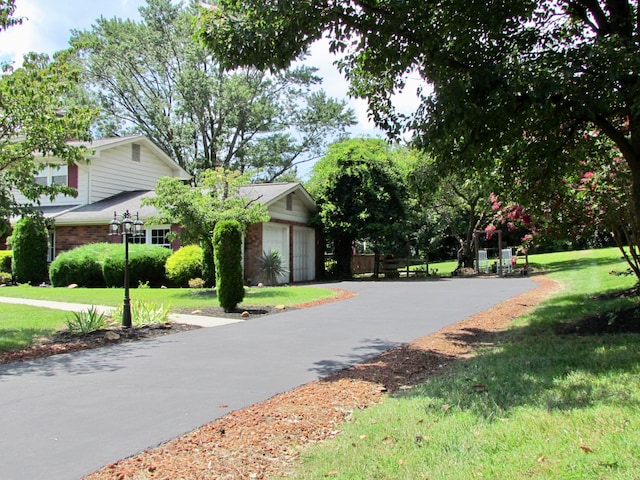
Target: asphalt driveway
column 64, row 416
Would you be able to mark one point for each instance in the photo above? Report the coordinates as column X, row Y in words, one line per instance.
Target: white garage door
column 276, row 237
column 304, row 247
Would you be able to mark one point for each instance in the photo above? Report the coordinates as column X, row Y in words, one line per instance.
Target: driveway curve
column 64, row 416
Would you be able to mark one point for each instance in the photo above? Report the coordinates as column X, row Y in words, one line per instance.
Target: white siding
column 110, row 172
column 299, row 212
column 115, row 171
column 63, row 199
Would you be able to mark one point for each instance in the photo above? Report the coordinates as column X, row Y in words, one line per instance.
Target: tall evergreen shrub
column 227, row 245
column 30, row 242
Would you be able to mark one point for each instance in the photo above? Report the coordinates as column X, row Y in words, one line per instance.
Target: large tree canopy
column 522, row 81
column 153, row 77
column 35, row 125
column 360, row 196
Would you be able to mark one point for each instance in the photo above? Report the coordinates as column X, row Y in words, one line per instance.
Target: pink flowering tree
column 594, row 198
column 512, row 217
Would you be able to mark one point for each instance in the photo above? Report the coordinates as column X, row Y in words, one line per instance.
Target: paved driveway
column 65, row 416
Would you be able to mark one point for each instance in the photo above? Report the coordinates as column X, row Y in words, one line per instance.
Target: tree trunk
column 343, row 250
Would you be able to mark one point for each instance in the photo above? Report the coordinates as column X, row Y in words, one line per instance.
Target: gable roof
column 270, row 193
column 102, row 212
column 103, row 144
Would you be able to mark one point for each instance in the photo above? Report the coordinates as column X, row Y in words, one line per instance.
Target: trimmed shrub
column 82, row 266
column 5, row 278
column 6, row 257
column 30, row 243
column 227, row 245
column 5, row 261
column 184, row 264
column 146, row 265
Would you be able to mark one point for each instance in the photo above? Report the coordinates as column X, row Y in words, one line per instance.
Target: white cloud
column 21, row 39
column 47, row 25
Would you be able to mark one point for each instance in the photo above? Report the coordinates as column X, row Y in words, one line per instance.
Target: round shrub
column 184, row 264
column 82, row 266
column 5, row 261
column 30, row 243
column 146, row 265
column 227, row 245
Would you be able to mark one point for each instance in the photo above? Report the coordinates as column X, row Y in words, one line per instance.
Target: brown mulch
column 264, row 440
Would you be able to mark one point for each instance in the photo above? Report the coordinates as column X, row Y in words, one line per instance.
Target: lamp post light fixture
column 127, row 228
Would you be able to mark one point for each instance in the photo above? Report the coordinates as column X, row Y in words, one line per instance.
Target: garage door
column 304, row 246
column 276, row 237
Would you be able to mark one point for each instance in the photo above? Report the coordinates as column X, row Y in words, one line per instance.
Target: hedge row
column 102, row 265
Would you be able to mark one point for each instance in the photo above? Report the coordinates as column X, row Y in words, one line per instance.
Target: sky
column 48, row 24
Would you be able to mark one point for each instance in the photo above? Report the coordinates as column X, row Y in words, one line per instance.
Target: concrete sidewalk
column 64, row 416
column 200, row 320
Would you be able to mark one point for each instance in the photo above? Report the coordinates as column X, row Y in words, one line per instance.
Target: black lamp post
column 127, row 228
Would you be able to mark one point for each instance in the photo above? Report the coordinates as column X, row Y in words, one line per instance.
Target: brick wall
column 68, row 238
column 252, row 249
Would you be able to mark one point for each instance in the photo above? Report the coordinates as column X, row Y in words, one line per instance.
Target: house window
column 290, row 202
column 135, row 152
column 158, row 236
column 51, row 250
column 152, row 236
column 53, row 175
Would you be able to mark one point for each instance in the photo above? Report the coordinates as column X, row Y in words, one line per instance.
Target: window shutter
column 72, row 176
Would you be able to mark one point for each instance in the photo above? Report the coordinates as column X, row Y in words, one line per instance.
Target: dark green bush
column 184, row 265
column 146, row 265
column 227, row 245
column 30, row 243
column 82, row 266
column 208, row 264
column 5, row 261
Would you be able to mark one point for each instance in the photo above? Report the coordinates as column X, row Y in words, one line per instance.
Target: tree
column 197, row 210
column 360, row 196
column 35, row 127
column 456, row 206
column 7, row 19
column 522, row 81
column 154, row 78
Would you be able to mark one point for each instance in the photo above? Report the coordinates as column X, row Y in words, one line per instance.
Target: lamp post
column 127, row 228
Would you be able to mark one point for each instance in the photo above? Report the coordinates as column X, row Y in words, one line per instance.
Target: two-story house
column 119, row 172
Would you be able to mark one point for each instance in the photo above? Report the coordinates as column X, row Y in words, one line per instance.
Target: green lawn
column 541, row 405
column 20, row 325
column 177, row 298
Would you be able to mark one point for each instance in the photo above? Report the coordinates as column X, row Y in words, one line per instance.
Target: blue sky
column 48, row 26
